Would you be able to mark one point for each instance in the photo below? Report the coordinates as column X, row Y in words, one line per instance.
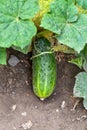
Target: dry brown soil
column 55, row 113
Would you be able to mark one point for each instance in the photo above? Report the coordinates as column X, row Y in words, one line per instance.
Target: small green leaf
column 3, row 56
column 80, row 88
column 16, row 28
column 77, row 61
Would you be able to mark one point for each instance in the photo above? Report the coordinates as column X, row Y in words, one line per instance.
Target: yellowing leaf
column 44, row 8
column 81, row 10
column 63, row 48
column 47, row 34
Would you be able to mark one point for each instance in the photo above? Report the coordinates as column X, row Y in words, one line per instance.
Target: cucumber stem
column 42, row 53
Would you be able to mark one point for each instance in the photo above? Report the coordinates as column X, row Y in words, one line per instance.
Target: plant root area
column 20, row 109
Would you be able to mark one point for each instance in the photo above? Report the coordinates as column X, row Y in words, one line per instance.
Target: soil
column 18, row 104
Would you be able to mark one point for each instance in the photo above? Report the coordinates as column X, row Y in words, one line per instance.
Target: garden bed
column 19, row 105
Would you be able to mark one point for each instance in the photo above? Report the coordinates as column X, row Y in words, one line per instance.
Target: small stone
column 53, row 99
column 10, row 81
column 13, row 61
column 57, row 110
column 27, row 125
column 14, row 128
column 27, row 82
column 24, row 114
column 35, row 107
column 73, row 120
column 14, row 108
column 54, row 94
column 63, row 104
column 82, row 118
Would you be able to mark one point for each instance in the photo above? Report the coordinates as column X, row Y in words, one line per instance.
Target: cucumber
column 43, row 68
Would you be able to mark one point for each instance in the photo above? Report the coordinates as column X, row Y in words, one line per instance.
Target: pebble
column 63, row 104
column 82, row 118
column 27, row 125
column 57, row 110
column 24, row 113
column 54, row 94
column 35, row 107
column 14, row 107
column 10, row 81
column 14, row 128
column 13, row 61
column 26, row 82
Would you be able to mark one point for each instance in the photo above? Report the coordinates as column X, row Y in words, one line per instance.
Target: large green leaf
column 82, row 3
column 80, row 88
column 70, row 26
column 74, row 34
column 16, row 27
column 2, row 56
column 59, row 14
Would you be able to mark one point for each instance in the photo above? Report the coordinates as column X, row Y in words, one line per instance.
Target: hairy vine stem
column 42, row 53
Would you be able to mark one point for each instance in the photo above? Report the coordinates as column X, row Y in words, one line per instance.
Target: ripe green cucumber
column 43, row 68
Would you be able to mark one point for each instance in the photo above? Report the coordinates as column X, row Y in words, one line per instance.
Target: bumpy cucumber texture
column 43, row 68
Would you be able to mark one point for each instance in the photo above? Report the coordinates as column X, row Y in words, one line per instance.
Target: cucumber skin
column 44, row 70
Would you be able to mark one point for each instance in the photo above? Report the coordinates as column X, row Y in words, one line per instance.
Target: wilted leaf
column 44, row 8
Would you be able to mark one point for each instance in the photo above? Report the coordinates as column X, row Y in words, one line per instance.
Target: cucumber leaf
column 59, row 13
column 65, row 21
column 84, row 56
column 85, row 103
column 25, row 50
column 3, row 56
column 44, row 8
column 77, row 61
column 85, row 65
column 80, row 88
column 82, row 3
column 81, row 60
column 16, row 26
